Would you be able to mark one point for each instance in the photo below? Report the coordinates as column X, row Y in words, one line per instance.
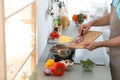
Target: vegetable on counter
column 74, row 18
column 54, row 35
column 58, row 69
column 87, row 64
column 47, row 71
column 79, row 18
column 49, row 63
column 68, row 64
column 55, row 68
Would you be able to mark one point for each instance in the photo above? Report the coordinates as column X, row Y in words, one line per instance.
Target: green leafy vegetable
column 87, row 64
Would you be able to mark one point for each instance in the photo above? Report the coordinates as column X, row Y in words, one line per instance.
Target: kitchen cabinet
column 100, row 72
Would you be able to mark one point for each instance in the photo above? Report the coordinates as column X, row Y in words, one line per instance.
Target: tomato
column 85, row 16
column 54, row 35
column 74, row 18
column 58, row 69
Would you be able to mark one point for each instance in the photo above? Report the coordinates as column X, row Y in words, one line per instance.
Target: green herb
column 87, row 64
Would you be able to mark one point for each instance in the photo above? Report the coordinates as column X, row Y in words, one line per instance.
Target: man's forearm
column 115, row 42
column 103, row 21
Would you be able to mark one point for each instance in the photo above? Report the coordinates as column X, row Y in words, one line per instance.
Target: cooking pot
column 61, row 52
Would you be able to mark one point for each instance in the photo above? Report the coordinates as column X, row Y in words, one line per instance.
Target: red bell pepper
column 58, row 69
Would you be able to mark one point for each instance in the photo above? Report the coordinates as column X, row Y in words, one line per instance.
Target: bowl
column 68, row 64
column 87, row 65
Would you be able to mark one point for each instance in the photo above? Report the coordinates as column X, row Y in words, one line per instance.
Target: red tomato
column 58, row 69
column 54, row 35
column 85, row 16
column 74, row 18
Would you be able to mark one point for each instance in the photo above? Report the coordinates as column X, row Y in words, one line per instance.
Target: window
column 19, row 38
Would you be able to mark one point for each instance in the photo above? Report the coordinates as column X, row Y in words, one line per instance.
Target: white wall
column 43, row 24
column 93, row 7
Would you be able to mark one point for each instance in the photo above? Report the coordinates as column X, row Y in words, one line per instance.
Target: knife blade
column 79, row 38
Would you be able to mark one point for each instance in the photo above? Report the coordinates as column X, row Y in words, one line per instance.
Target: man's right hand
column 83, row 28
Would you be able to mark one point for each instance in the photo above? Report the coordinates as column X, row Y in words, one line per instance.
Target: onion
column 47, row 71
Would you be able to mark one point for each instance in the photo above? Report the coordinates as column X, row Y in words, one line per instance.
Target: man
column 112, row 19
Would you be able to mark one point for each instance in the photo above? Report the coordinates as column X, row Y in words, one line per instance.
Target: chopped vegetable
column 78, row 39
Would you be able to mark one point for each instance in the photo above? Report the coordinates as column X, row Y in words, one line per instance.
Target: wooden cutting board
column 87, row 37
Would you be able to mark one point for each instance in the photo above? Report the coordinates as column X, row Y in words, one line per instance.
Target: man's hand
column 83, row 28
column 92, row 45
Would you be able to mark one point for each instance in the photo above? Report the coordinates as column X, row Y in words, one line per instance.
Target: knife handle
column 82, row 31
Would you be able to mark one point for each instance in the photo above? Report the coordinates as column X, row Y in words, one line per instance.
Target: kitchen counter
column 99, row 72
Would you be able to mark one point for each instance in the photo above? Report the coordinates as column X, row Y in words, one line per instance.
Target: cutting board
column 87, row 37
